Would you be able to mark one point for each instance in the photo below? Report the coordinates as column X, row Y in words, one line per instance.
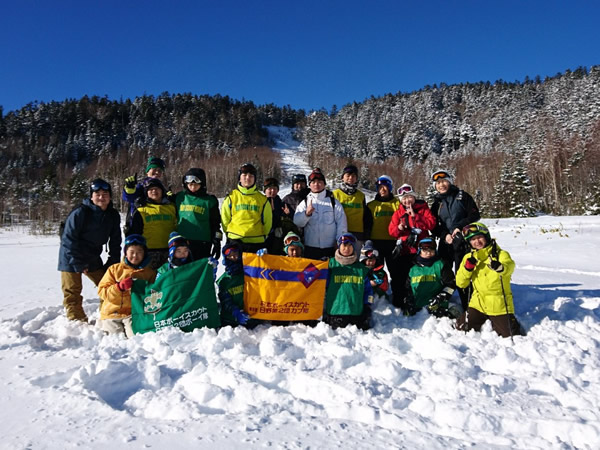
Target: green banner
column 184, row 298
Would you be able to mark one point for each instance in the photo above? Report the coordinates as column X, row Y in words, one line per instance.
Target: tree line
column 521, row 148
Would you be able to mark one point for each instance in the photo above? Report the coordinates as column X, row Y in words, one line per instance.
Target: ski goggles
column 429, row 244
column 371, row 254
column 299, row 178
column 405, row 189
column 229, row 250
column 288, row 240
column 346, row 239
column 135, row 239
column 474, row 229
column 192, row 179
column 440, row 175
column 100, row 185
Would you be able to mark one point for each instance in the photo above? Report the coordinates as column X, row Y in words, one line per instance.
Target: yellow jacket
column 490, row 288
column 158, row 222
column 116, row 304
column 382, row 213
column 244, row 215
column 354, row 207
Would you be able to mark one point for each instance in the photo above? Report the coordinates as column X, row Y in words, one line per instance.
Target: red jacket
column 422, row 218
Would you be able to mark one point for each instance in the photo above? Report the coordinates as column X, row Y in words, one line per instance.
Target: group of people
column 359, row 238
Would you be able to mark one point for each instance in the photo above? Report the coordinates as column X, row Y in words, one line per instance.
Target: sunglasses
column 404, row 189
column 100, row 185
column 439, row 176
column 192, row 179
column 290, row 239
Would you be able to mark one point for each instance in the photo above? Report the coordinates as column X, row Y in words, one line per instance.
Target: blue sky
column 307, row 54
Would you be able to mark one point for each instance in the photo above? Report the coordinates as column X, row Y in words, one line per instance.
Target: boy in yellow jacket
column 115, row 287
column 487, row 269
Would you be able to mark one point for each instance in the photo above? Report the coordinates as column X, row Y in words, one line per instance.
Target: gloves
column 216, row 248
column 470, row 263
column 261, row 252
column 397, row 249
column 125, row 284
column 376, row 279
column 131, row 184
column 437, row 301
column 214, row 263
column 496, row 265
column 414, row 235
column 241, row 317
column 278, row 232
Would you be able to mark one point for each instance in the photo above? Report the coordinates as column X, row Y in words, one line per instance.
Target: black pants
column 505, row 325
column 453, row 254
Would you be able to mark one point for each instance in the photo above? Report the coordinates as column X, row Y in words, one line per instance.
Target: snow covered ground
column 409, row 382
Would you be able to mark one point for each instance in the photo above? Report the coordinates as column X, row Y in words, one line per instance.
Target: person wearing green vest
column 198, row 217
column 154, row 218
column 354, row 202
column 246, row 214
column 349, row 295
column 431, row 283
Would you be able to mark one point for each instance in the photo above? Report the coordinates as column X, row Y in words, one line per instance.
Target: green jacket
column 198, row 217
column 428, row 281
column 346, row 288
column 490, row 288
column 231, row 293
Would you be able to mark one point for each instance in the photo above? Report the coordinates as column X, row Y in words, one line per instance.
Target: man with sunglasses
column 87, row 229
column 198, row 217
column 453, row 209
column 246, row 214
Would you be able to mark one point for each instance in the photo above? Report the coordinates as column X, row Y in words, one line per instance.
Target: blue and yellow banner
column 283, row 288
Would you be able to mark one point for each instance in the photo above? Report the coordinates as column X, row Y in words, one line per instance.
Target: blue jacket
column 87, row 229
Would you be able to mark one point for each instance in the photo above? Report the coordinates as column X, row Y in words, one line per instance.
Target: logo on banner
column 152, row 303
column 309, row 275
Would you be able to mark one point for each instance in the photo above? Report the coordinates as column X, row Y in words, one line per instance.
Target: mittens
column 470, row 263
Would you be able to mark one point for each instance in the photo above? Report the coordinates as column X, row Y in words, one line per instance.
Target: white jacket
column 325, row 225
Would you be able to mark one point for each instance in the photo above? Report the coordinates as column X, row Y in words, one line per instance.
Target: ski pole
column 507, row 314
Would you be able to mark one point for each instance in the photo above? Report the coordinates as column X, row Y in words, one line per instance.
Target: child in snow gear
column 369, row 256
column 231, row 289
column 353, row 200
column 115, row 287
column 246, row 214
column 410, row 223
column 487, row 269
column 322, row 218
column 348, row 296
column 87, row 229
column 198, row 217
column 179, row 253
column 134, row 190
column 154, row 218
column 431, row 283
column 453, row 209
column 293, row 246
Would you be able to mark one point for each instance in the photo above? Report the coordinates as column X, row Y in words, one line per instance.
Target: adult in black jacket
column 299, row 193
column 453, row 209
column 87, row 229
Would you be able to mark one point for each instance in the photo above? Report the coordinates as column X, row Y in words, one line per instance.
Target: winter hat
column 99, row 184
column 271, row 182
column 134, row 239
column 405, row 190
column 155, row 163
column 299, row 178
column 475, row 229
column 177, row 240
column 232, row 267
column 149, row 182
column 246, row 168
column 426, row 243
column 385, row 181
column 292, row 239
column 368, row 251
column 194, row 175
column 441, row 174
column 350, row 169
column 346, row 238
column 316, row 174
